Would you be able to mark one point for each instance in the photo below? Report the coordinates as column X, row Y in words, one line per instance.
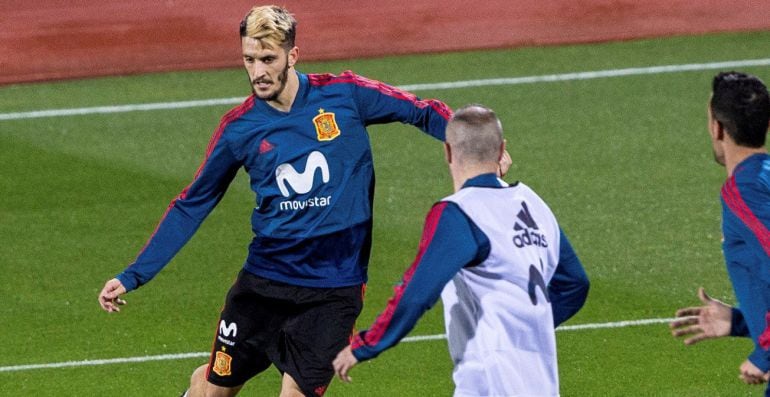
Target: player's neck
column 461, row 174
column 736, row 154
column 286, row 98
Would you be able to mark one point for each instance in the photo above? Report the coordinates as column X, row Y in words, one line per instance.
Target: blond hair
column 272, row 26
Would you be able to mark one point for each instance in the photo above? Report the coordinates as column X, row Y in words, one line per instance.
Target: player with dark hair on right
column 738, row 116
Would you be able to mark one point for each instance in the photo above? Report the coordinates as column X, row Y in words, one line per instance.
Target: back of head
column 272, row 26
column 741, row 104
column 475, row 135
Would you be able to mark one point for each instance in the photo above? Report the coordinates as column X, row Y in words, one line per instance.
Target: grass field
column 624, row 162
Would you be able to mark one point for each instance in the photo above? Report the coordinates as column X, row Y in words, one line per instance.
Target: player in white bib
column 504, row 269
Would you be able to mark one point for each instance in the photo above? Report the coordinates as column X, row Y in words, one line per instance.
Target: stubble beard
column 282, row 85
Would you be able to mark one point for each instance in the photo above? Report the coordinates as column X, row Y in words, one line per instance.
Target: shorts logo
column 326, row 126
column 222, row 364
column 225, row 330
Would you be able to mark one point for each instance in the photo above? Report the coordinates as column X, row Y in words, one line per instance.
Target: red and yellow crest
column 222, row 364
column 326, row 126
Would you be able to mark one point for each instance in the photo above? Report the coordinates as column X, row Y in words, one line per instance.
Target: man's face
column 716, row 139
column 267, row 67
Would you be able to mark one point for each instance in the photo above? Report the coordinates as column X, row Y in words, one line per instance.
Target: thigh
column 247, row 327
column 312, row 337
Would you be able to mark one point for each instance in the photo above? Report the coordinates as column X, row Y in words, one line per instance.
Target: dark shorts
column 298, row 329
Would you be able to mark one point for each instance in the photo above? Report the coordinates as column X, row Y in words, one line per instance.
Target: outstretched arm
column 379, row 103
column 449, row 242
column 181, row 220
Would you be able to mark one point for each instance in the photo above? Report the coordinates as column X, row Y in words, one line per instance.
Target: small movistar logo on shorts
column 288, row 177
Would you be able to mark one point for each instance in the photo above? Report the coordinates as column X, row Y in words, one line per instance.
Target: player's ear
column 293, row 56
column 448, row 153
column 718, row 130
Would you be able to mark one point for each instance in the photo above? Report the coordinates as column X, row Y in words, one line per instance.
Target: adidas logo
column 526, row 235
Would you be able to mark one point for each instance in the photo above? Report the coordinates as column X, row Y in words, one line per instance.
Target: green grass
column 624, row 162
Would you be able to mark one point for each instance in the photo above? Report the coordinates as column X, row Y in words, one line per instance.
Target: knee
column 198, row 382
column 199, row 374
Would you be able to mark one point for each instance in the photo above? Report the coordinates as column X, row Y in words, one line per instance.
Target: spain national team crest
column 326, row 126
column 222, row 364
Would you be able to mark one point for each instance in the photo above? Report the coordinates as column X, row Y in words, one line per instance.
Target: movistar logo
column 526, row 234
column 288, row 176
column 227, row 329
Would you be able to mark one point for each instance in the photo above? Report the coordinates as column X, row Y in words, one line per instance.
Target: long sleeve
column 449, row 243
column 379, row 103
column 569, row 286
column 746, row 221
column 184, row 214
column 738, row 326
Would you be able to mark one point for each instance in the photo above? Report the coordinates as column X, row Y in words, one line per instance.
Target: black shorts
column 298, row 329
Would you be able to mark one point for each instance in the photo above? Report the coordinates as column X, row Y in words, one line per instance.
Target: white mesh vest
column 498, row 317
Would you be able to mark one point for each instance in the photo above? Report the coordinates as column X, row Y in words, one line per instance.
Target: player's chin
column 266, row 95
column 264, row 91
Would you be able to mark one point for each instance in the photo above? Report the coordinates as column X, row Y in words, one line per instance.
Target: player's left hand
column 752, row 375
column 344, row 362
column 712, row 320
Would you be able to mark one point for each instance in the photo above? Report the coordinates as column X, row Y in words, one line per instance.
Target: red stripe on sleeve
column 228, row 118
column 375, row 333
column 738, row 206
column 352, row 78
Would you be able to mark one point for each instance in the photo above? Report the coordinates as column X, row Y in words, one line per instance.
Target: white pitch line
column 181, row 356
column 411, row 87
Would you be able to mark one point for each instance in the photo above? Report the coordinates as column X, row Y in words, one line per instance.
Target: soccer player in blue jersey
column 738, row 115
column 302, row 139
column 505, row 271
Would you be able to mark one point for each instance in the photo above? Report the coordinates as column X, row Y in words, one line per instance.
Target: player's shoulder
column 327, row 79
column 753, row 175
column 349, row 80
column 238, row 111
column 245, row 118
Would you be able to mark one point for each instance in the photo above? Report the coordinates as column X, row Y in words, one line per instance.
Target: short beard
column 282, row 78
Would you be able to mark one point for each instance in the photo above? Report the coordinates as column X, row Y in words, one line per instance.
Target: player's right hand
column 713, row 320
column 109, row 298
column 344, row 362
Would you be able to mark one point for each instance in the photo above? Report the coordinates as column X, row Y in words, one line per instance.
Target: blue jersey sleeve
column 738, row 326
column 450, row 241
column 746, row 224
column 568, row 288
column 380, row 103
column 185, row 214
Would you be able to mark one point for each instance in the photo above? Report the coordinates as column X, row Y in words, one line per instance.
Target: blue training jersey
column 311, row 170
column 746, row 247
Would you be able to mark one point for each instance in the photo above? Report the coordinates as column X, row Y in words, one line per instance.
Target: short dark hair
column 740, row 103
column 475, row 134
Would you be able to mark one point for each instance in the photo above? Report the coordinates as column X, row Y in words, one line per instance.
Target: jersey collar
column 485, row 180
